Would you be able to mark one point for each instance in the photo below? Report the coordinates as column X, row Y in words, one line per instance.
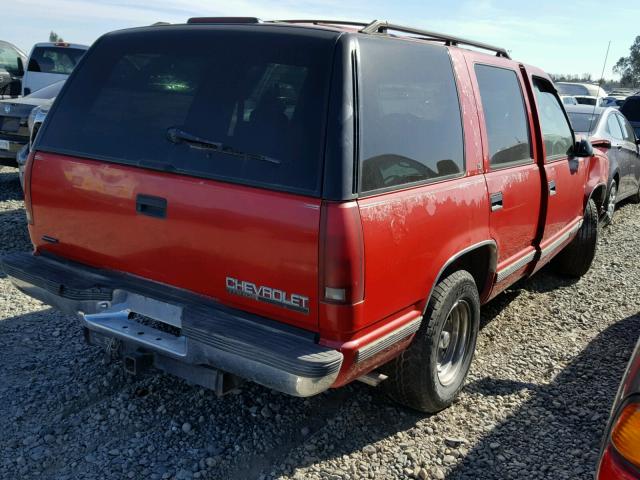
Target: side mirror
column 583, row 148
column 20, row 67
column 601, row 143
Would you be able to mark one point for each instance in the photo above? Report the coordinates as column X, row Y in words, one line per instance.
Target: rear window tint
column 572, row 89
column 584, row 122
column 254, row 101
column 55, row 59
column 411, row 130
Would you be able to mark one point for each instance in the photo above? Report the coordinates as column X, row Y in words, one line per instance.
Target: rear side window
column 410, row 123
column 55, row 59
column 245, row 106
column 556, row 132
column 505, row 116
column 627, row 131
column 614, row 127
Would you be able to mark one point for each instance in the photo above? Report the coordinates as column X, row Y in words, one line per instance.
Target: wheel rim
column 611, row 205
column 453, row 342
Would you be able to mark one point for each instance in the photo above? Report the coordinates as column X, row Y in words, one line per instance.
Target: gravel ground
column 550, row 355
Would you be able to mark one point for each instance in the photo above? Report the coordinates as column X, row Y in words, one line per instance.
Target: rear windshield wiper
column 176, row 135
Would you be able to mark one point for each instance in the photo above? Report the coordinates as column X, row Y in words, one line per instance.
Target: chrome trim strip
column 553, row 246
column 388, row 340
column 515, row 266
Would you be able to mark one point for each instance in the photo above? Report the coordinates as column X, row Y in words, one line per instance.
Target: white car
column 49, row 63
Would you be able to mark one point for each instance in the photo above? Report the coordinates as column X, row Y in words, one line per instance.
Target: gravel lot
column 550, row 356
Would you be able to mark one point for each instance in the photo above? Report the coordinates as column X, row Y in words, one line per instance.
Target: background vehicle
column 582, row 89
column 587, row 100
column 620, row 453
column 612, row 101
column 631, row 109
column 36, row 117
column 237, row 182
column 609, row 130
column 14, row 114
column 50, row 63
column 569, row 100
column 12, row 61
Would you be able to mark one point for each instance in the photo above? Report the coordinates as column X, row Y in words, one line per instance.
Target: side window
column 410, row 124
column 505, row 116
column 614, row 127
column 627, row 131
column 556, row 132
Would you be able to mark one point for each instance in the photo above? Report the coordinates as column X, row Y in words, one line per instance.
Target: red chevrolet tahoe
column 301, row 203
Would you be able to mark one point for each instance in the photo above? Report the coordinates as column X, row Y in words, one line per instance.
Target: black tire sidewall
column 464, row 288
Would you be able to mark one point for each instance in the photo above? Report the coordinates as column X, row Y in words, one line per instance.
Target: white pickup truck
column 49, row 63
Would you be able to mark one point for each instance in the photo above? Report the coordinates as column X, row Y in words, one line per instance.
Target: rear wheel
column 610, row 203
column 431, row 372
column 576, row 258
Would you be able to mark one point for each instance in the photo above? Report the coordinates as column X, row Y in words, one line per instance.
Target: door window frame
column 515, row 163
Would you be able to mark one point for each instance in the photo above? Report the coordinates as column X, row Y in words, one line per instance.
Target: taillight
column 625, row 435
column 621, row 457
column 341, row 254
column 27, row 186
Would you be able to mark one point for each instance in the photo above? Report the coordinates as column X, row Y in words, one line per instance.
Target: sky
column 558, row 36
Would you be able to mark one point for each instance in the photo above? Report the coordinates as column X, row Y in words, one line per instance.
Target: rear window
column 584, row 122
column 55, row 59
column 243, row 105
column 572, row 89
column 411, row 130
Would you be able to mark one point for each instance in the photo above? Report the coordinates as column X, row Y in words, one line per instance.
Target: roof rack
column 323, row 22
column 378, row 26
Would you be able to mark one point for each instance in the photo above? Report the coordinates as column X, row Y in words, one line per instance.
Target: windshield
column 47, row 92
column 584, row 122
column 257, row 91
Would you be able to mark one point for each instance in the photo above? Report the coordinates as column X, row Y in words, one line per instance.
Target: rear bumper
column 277, row 356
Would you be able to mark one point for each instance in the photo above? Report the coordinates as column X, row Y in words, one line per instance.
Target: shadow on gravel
column 10, row 186
column 565, row 410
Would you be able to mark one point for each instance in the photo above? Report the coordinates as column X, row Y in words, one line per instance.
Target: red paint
column 613, row 468
column 212, row 230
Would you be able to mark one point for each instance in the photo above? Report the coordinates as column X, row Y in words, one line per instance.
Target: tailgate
column 249, row 248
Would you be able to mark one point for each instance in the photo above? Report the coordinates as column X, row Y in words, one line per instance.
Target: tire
column 422, row 378
column 577, row 257
column 635, row 198
column 610, row 203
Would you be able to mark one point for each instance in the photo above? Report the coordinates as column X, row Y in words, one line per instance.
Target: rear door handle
column 552, row 188
column 496, row 201
column 151, row 206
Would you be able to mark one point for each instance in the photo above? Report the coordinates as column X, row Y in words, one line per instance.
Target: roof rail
column 378, row 26
column 322, row 22
column 223, row 20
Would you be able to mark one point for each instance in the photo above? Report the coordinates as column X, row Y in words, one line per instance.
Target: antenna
column 599, row 83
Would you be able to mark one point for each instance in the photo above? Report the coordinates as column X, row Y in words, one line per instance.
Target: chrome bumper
column 272, row 354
